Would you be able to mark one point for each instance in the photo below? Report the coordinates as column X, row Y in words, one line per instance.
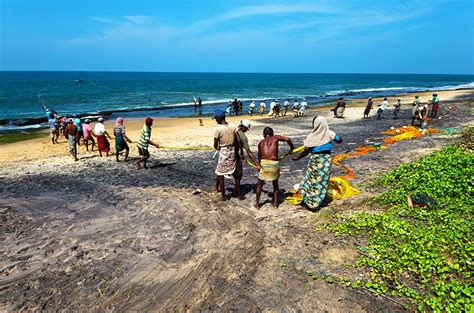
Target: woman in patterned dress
column 318, row 146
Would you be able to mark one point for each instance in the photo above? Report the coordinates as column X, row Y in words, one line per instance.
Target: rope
column 186, row 148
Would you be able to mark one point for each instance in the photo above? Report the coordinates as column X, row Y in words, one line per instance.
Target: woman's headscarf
column 119, row 121
column 320, row 134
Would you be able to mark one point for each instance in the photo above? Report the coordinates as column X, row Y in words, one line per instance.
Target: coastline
column 185, row 110
column 186, row 132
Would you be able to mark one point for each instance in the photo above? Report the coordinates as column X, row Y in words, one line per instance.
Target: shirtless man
column 269, row 162
column 72, row 134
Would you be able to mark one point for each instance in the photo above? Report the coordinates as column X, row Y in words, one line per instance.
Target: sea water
column 24, row 95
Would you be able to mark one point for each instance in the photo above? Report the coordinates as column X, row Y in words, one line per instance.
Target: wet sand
column 99, row 235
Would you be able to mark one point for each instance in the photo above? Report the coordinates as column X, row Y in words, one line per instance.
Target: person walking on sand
column 78, row 123
column 370, row 103
column 225, row 141
column 53, row 130
column 262, row 107
column 286, row 105
column 382, row 106
column 101, row 134
column 415, row 105
column 317, row 145
column 72, row 135
column 277, row 108
column 121, row 139
column 272, row 107
column 87, row 131
column 435, row 105
column 144, row 141
column 251, row 108
column 397, row 109
column 195, row 104
column 270, row 163
column 304, row 104
column 296, row 108
column 242, row 128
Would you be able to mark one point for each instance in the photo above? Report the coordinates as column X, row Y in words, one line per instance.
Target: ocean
column 137, row 94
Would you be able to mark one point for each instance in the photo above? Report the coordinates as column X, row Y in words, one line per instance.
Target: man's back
column 268, row 148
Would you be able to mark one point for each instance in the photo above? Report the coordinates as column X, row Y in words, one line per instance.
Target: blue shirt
column 324, row 148
column 78, row 124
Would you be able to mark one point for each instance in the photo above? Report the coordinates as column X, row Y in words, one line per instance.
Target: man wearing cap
column 71, row 133
column 225, row 141
column 243, row 127
column 303, row 106
column 144, row 141
column 87, row 131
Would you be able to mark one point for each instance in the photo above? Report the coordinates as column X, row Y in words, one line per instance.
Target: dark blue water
column 23, row 94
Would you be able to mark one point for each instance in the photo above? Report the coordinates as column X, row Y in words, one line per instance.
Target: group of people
column 419, row 110
column 231, row 141
column 277, row 110
column 197, row 105
column 76, row 131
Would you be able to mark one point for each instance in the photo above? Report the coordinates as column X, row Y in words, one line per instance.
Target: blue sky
column 429, row 36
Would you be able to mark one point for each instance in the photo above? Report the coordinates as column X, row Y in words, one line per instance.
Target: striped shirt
column 145, row 135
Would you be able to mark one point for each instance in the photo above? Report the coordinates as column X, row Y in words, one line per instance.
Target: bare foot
column 257, row 206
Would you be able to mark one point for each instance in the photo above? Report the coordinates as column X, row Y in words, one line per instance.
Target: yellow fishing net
column 339, row 187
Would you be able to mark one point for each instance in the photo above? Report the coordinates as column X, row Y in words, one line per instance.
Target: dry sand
column 99, row 235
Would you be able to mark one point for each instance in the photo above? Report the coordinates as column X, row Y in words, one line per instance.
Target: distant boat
column 79, row 80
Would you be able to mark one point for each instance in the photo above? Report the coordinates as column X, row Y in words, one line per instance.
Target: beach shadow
column 160, row 165
column 88, row 157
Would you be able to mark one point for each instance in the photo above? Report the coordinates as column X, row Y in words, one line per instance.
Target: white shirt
column 287, row 103
column 383, row 105
column 252, row 105
column 272, row 105
column 296, row 104
column 263, row 105
column 99, row 129
column 304, row 104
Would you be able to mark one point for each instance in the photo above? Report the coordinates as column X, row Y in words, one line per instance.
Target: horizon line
column 225, row 72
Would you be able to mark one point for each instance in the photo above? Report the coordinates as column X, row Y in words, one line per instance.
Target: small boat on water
column 79, row 80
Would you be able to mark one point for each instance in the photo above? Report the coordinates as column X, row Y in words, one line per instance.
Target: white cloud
column 320, row 22
column 137, row 19
column 273, row 9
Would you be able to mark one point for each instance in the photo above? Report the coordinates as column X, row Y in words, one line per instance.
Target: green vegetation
column 16, row 137
column 424, row 254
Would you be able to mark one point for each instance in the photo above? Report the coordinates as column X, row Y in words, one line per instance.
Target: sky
column 292, row 36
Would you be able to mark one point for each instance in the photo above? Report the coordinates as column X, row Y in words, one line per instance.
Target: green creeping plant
column 421, row 254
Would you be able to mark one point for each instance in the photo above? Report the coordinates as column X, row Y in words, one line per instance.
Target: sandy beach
column 186, row 132
column 97, row 235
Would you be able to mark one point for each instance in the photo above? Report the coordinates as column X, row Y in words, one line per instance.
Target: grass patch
column 424, row 254
column 16, row 137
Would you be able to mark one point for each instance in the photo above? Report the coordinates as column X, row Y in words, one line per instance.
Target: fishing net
column 338, row 188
